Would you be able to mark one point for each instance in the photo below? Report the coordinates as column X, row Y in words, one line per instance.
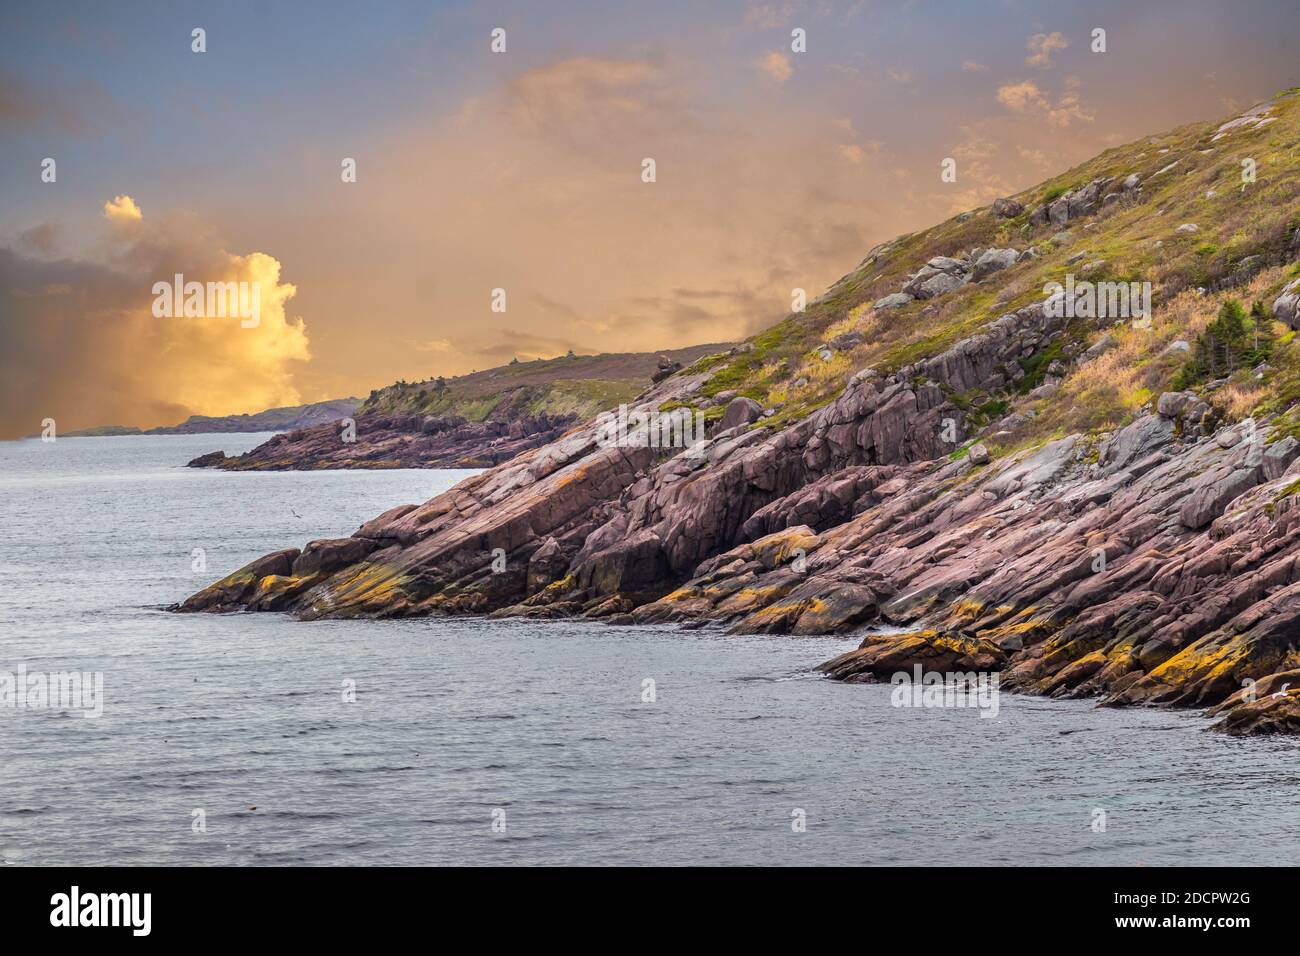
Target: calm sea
column 227, row 739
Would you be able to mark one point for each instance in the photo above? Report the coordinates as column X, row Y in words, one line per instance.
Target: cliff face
column 1092, row 505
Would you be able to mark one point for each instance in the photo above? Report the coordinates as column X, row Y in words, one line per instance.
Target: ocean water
column 240, row 721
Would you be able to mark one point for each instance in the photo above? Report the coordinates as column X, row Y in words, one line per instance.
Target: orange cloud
column 121, row 209
column 1041, row 47
column 1027, row 97
column 81, row 344
column 777, row 66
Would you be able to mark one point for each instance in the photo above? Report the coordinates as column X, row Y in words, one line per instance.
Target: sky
column 522, row 170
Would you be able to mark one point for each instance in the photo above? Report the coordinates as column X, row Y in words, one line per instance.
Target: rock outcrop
column 1159, row 565
column 397, row 441
column 1153, row 561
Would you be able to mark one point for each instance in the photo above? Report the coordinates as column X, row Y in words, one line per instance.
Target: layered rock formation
column 1153, row 561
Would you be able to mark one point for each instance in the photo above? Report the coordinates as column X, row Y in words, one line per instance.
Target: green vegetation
column 1229, row 343
column 581, row 385
column 1187, row 176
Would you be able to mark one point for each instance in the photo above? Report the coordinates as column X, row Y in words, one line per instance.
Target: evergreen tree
column 1222, row 348
column 1262, row 338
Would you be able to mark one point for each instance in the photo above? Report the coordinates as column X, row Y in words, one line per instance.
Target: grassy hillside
column 582, row 385
column 1192, row 175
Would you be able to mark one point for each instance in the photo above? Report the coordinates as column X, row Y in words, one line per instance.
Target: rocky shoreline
column 1160, row 566
column 397, row 441
column 1153, row 560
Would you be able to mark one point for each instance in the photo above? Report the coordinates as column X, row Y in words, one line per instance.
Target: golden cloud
column 777, row 66
column 1027, row 97
column 79, row 341
column 1041, row 47
column 122, row 209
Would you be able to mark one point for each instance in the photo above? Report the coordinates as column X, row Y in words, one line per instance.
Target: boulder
column 1084, row 201
column 994, row 260
column 894, row 301
column 947, row 264
column 1279, row 456
column 1171, row 404
column 1286, row 307
column 740, row 411
column 665, row 368
column 1006, row 209
column 978, row 454
column 939, row 284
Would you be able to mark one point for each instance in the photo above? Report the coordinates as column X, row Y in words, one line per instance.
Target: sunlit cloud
column 1041, row 47
column 122, row 209
column 777, row 66
column 79, row 341
column 1027, row 96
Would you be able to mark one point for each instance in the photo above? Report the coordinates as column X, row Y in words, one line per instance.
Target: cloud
column 1041, row 47
column 432, row 345
column 43, row 239
column 852, row 152
column 122, row 209
column 542, row 181
column 1027, row 96
column 1022, row 97
column 584, row 98
column 776, row 65
column 1070, row 107
column 769, row 16
column 79, row 342
column 970, row 66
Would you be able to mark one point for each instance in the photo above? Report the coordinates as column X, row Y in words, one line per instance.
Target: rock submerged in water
column 210, row 460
